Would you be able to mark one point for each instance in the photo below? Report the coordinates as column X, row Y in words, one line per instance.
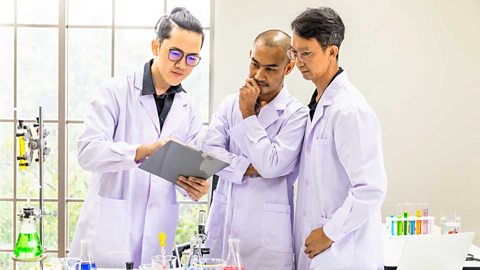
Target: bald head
column 273, row 38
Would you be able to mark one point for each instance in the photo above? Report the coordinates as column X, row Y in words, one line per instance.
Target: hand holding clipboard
column 175, row 159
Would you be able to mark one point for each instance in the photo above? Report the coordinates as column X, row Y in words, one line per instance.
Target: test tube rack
column 409, row 226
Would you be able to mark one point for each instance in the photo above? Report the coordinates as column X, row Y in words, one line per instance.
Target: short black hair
column 323, row 24
column 181, row 18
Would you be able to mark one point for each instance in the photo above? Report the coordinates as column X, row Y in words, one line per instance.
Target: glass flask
column 87, row 260
column 234, row 262
column 28, row 244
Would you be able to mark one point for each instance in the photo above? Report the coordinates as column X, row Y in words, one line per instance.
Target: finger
column 182, row 178
column 205, row 184
column 313, row 253
column 249, row 85
column 191, row 191
column 198, row 188
column 254, row 84
column 243, row 89
column 307, row 241
column 196, row 179
column 192, row 183
column 193, row 196
column 185, row 182
column 183, row 185
column 251, row 81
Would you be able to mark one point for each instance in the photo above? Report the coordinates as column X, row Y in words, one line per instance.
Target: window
column 55, row 53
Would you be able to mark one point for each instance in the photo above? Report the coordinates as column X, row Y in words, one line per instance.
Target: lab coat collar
column 327, row 99
column 331, row 92
column 269, row 113
column 148, row 102
column 281, row 100
column 175, row 115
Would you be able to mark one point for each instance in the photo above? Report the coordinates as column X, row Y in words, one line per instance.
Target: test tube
column 399, row 226
column 392, row 217
column 425, row 221
column 412, row 225
column 418, row 224
column 405, row 223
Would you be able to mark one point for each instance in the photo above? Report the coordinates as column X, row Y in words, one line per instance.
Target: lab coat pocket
column 322, row 155
column 276, row 228
column 108, row 223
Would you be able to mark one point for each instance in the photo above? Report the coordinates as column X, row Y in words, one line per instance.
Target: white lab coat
column 257, row 210
column 126, row 207
column 342, row 182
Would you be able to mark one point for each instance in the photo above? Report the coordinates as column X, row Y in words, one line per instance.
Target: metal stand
column 41, row 145
column 33, row 145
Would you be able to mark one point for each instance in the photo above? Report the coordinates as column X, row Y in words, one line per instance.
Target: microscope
column 196, row 245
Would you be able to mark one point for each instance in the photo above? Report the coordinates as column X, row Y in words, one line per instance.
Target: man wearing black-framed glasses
column 176, row 54
column 130, row 119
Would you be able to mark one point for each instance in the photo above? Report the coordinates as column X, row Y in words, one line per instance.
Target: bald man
column 259, row 131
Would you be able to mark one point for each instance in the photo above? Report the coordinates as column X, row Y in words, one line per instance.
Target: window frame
column 63, row 122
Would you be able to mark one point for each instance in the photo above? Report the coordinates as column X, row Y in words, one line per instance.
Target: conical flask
column 85, row 255
column 234, row 262
column 28, row 244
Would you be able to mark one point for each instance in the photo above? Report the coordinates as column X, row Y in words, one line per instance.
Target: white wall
column 417, row 63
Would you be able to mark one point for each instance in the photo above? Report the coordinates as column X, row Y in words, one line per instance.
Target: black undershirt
column 313, row 101
column 164, row 101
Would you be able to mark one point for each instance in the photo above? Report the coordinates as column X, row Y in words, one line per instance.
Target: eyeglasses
column 176, row 55
column 302, row 56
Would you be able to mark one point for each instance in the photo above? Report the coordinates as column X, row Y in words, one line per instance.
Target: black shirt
column 164, row 101
column 313, row 101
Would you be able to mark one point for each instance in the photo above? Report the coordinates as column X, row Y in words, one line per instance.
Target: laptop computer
column 435, row 252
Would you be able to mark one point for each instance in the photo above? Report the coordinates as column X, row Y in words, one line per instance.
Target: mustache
column 261, row 83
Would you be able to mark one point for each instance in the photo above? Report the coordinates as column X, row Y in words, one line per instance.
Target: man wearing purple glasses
column 131, row 118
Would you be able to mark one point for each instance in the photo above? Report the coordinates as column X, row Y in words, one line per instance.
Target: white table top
column 393, row 249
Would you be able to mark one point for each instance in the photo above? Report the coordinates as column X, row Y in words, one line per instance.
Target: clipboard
column 175, row 159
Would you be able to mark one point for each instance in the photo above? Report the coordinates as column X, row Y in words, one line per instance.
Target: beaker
column 209, row 264
column 62, row 264
column 450, row 222
column 162, row 262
